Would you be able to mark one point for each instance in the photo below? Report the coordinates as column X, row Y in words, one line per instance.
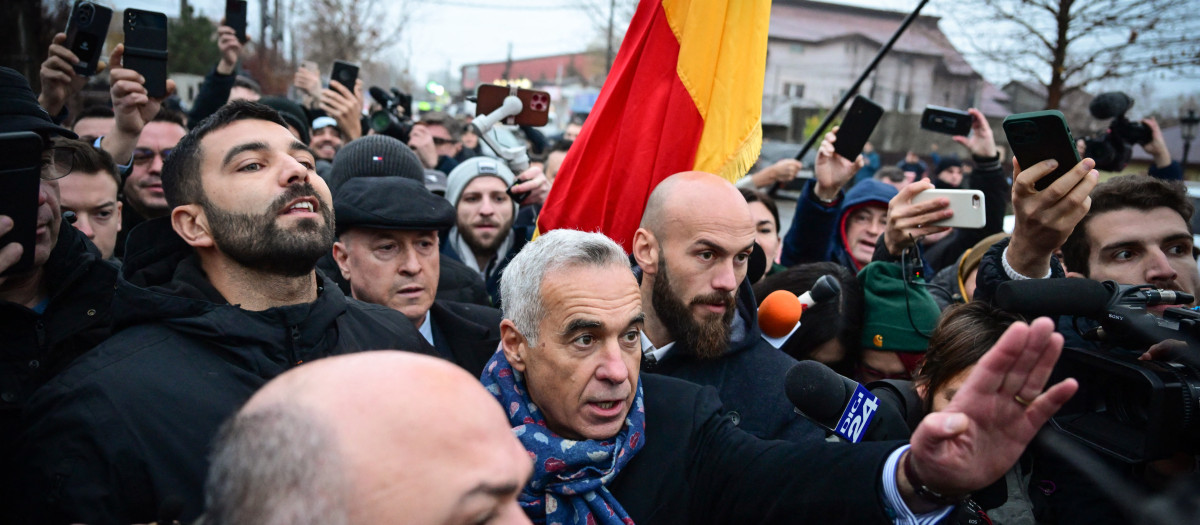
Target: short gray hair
column 521, row 282
column 275, row 466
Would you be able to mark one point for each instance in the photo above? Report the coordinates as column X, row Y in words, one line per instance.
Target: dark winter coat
column 127, row 427
column 37, row 346
column 697, row 467
column 749, row 377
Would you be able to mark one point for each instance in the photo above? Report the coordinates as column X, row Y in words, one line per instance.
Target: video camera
column 1113, row 148
column 395, row 119
column 1132, row 410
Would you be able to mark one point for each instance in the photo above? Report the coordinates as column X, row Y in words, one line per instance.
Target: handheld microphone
column 840, row 405
column 779, row 314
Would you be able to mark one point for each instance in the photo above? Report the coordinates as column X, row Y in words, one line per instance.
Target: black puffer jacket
column 128, row 426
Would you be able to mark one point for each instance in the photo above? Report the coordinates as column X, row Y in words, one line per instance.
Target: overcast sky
column 457, row 32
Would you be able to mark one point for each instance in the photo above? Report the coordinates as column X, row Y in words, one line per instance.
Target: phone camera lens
column 86, row 13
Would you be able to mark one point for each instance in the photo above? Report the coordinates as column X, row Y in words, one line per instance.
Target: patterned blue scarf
column 569, row 477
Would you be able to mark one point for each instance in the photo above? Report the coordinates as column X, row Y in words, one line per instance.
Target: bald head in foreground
column 372, row 437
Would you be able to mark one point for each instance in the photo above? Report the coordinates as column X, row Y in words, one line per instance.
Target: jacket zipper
column 295, row 340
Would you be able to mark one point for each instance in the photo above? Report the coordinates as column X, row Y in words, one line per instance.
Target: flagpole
column 820, row 131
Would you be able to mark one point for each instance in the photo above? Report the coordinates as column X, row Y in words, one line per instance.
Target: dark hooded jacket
column 749, row 377
column 126, row 429
column 817, row 232
column 37, row 346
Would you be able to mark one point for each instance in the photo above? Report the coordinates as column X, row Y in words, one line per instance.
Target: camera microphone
column 780, row 312
column 1054, row 297
column 840, row 405
column 1110, row 105
column 380, row 96
column 1156, row 297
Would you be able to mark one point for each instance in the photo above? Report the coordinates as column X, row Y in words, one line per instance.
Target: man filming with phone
column 58, row 308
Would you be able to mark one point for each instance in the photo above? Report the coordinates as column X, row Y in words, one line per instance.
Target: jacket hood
column 866, row 192
column 747, row 310
column 162, row 282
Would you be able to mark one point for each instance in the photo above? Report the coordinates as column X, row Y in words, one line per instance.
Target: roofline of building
column 869, row 11
column 523, row 59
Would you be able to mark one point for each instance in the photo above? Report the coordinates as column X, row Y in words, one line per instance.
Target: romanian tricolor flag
column 685, row 93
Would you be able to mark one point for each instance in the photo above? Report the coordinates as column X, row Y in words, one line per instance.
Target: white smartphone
column 967, row 205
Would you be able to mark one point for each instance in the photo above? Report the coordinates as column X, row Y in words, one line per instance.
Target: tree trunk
column 1054, row 91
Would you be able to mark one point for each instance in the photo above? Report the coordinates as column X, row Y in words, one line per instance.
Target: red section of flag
column 644, row 128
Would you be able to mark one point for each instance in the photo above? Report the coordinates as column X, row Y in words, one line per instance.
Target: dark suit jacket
column 467, row 334
column 697, row 467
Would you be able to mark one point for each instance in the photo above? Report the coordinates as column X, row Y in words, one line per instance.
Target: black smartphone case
column 86, row 32
column 345, row 73
column 20, row 182
column 146, row 48
column 1042, row 135
column 946, row 120
column 857, row 126
column 235, row 17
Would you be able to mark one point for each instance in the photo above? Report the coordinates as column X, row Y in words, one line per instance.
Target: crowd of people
column 188, row 267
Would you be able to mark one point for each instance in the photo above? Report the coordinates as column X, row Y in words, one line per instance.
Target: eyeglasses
column 142, row 156
column 57, row 162
column 439, row 141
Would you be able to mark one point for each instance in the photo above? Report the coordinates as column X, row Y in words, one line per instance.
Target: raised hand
column 230, row 48
column 1044, row 219
column 534, row 181
column 833, row 171
column 132, row 106
column 981, row 143
column 59, row 79
column 992, row 418
column 345, row 107
column 908, row 222
column 9, row 253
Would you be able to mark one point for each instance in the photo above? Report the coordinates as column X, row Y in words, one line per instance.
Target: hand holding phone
column 20, row 184
column 1039, row 136
column 146, row 48
column 832, row 170
column 967, row 205
column 345, row 73
column 536, row 185
column 86, row 31
column 946, row 120
column 908, row 221
column 235, row 17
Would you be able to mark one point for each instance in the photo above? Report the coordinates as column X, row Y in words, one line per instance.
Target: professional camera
column 395, row 119
column 1132, row 410
column 1112, row 149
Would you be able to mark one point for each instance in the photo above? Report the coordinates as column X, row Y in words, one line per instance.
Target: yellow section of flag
column 722, row 63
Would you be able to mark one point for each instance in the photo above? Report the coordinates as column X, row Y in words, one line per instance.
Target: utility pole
column 508, row 64
column 608, row 56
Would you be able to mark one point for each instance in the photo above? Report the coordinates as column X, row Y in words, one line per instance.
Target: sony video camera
column 1132, row 410
column 1112, row 149
column 395, row 119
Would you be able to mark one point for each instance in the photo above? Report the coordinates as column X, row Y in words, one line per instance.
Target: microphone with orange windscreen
column 779, row 314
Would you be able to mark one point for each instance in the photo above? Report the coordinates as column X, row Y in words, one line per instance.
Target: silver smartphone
column 967, row 205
